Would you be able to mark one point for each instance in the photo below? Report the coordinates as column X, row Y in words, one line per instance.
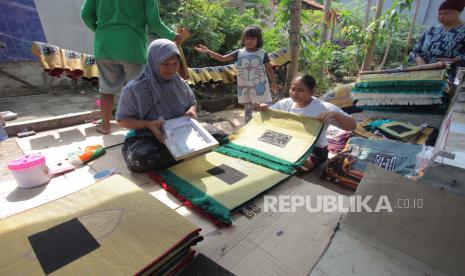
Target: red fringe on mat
column 157, row 178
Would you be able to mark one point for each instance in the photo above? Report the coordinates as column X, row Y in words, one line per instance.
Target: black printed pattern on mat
column 90, row 60
column 227, row 174
column 47, row 50
column 385, row 161
column 275, row 138
column 399, row 129
column 72, row 55
column 62, row 244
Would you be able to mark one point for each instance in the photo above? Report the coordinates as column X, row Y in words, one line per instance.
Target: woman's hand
column 192, row 112
column 155, row 127
column 449, row 60
column 262, row 106
column 202, row 48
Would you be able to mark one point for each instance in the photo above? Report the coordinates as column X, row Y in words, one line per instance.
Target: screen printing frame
column 173, row 141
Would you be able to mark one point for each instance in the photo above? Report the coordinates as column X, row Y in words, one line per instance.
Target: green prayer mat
column 408, row 90
column 258, row 156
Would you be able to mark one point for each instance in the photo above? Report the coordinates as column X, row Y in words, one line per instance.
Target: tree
column 373, row 32
column 412, row 26
column 326, row 21
column 367, row 14
column 294, row 42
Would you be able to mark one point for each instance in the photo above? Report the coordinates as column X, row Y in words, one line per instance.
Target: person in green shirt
column 120, row 43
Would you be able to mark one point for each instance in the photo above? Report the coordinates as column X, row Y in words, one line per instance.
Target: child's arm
column 204, row 49
column 270, row 73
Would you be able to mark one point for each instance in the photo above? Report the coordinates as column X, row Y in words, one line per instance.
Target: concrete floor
column 261, row 244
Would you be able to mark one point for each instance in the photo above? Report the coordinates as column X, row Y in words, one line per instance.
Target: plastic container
column 29, row 170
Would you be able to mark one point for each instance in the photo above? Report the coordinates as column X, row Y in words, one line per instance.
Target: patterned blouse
column 437, row 43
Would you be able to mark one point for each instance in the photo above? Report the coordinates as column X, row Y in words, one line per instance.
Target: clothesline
column 17, row 38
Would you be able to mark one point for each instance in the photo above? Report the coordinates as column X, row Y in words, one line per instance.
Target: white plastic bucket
column 29, row 170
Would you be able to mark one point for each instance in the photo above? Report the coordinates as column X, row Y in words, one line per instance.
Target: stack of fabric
column 348, row 167
column 395, row 130
column 412, row 91
column 110, row 228
column 341, row 96
column 263, row 153
column 337, row 139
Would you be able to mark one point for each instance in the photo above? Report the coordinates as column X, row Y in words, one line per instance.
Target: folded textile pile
column 394, row 130
column 348, row 167
column 110, row 228
column 415, row 91
column 264, row 152
column 57, row 61
column 341, row 96
column 337, row 139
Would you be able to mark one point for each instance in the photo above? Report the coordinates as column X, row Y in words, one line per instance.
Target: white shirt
column 315, row 108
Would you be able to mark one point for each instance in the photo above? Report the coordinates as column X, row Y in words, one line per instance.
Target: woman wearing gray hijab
column 157, row 93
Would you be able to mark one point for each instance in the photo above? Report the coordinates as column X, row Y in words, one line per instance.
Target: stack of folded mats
column 394, row 130
column 56, row 62
column 264, row 152
column 349, row 166
column 337, row 139
column 110, row 228
column 415, row 91
column 228, row 73
column 341, row 96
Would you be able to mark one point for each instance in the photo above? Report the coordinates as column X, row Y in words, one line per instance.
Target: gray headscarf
column 149, row 96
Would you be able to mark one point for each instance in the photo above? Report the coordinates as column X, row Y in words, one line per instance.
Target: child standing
column 252, row 62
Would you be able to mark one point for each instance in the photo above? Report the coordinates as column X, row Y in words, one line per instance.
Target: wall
column 62, row 26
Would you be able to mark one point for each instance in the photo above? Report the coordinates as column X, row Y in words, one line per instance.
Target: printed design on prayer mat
column 227, row 174
column 46, row 49
column 387, row 162
column 62, row 244
column 275, row 138
column 90, row 60
column 399, row 129
column 72, row 54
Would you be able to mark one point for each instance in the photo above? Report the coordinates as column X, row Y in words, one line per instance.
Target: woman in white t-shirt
column 303, row 102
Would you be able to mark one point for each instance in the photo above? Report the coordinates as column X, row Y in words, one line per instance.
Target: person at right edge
column 120, row 44
column 444, row 42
